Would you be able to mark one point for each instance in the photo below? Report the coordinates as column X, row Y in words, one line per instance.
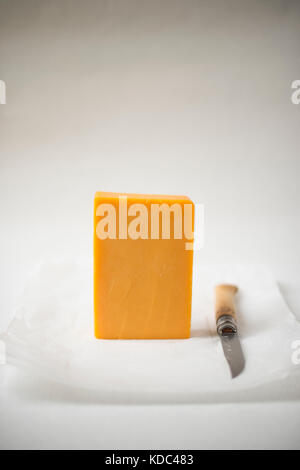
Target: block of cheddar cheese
column 143, row 266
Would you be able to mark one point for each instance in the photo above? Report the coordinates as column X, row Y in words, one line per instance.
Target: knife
column 227, row 327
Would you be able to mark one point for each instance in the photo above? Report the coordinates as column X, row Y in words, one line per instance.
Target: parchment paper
column 52, row 333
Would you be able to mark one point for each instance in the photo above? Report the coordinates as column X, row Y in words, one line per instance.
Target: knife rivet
column 226, row 325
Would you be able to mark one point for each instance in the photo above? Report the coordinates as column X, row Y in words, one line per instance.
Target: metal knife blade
column 227, row 328
column 233, row 353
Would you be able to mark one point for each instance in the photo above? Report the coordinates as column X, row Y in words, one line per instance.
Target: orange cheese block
column 143, row 265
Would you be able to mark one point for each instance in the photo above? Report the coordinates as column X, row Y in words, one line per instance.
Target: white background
column 178, row 97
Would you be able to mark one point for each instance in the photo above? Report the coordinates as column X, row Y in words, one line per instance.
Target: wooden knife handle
column 225, row 300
